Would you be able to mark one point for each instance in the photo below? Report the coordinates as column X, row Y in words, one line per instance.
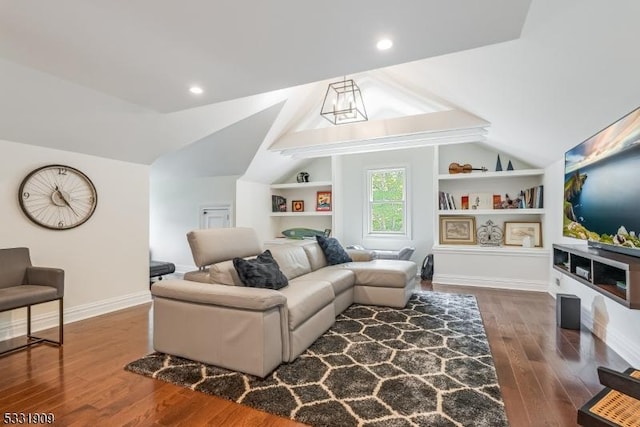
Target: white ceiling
column 110, row 78
column 149, row 52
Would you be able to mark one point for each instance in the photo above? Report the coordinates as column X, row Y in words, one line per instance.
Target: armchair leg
column 33, row 340
column 28, row 321
column 61, row 324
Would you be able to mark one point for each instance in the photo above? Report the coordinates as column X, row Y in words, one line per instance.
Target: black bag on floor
column 427, row 268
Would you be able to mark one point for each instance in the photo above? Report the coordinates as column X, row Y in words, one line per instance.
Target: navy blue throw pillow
column 333, row 251
column 261, row 272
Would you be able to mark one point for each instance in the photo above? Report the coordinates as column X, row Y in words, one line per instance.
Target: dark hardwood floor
column 545, row 373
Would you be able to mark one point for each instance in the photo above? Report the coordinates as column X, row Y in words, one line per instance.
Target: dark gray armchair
column 22, row 285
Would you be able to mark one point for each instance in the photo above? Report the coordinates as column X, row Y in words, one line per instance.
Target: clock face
column 57, row 197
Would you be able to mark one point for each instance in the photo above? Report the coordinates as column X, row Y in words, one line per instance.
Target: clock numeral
column 62, row 171
column 61, row 224
column 26, row 194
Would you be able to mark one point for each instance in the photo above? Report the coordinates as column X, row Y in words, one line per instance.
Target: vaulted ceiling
column 111, row 79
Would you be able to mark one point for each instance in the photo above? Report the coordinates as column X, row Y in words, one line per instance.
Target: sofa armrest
column 360, row 255
column 46, row 276
column 256, row 299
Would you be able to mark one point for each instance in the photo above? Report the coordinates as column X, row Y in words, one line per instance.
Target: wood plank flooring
column 545, row 373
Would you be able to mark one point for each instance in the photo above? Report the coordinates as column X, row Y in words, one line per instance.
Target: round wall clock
column 57, row 197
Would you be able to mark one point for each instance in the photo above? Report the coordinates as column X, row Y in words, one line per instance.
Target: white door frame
column 217, row 207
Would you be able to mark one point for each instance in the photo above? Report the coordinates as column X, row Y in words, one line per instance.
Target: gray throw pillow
column 333, row 250
column 261, row 272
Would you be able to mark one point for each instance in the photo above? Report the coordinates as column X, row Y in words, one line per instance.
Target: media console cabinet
column 614, row 275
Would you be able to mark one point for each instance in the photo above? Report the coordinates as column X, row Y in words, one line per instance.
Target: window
column 387, row 202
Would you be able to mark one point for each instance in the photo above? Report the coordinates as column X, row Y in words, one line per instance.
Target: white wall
column 105, row 260
column 318, row 169
column 353, row 193
column 612, row 322
column 175, row 206
column 253, row 208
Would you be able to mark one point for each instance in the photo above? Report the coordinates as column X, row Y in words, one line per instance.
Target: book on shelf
column 446, row 201
column 534, row 197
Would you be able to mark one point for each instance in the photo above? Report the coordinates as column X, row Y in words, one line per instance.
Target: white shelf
column 500, row 250
column 488, row 175
column 526, row 211
column 300, row 185
column 310, row 213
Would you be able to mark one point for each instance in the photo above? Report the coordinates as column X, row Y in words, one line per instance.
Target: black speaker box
column 568, row 311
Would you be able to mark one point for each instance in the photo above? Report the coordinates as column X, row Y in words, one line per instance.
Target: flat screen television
column 602, row 188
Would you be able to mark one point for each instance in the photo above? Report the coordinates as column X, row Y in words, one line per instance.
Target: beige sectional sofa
column 213, row 318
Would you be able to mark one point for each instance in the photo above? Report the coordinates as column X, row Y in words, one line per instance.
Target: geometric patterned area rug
column 428, row 364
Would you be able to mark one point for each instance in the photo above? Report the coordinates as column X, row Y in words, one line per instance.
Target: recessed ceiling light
column 384, row 44
column 196, row 90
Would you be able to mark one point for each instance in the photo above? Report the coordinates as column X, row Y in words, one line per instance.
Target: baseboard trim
column 491, row 282
column 627, row 349
column 48, row 320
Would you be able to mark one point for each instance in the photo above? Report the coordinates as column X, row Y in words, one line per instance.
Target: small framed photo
column 481, row 201
column 297, row 206
column 457, row 230
column 323, row 201
column 516, row 232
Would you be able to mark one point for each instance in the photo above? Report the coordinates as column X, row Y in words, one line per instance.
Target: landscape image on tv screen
column 602, row 186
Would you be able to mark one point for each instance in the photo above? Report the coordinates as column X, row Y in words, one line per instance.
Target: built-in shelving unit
column 320, row 180
column 512, row 267
column 614, row 275
column 501, row 183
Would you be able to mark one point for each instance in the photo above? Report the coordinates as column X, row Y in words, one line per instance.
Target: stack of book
column 533, row 197
column 447, row 201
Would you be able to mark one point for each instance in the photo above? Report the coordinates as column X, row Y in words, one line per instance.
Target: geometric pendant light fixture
column 343, row 103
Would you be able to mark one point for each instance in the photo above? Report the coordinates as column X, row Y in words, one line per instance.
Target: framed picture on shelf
column 278, row 204
column 323, row 201
column 516, row 232
column 297, row 206
column 457, row 230
column 480, row 201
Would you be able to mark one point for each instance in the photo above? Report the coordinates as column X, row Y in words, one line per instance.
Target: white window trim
column 367, row 233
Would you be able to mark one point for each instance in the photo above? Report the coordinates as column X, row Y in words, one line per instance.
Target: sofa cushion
column 261, row 272
column 225, row 273
column 333, row 250
column 305, row 298
column 292, row 260
column 315, row 255
column 383, row 272
column 22, row 295
column 341, row 279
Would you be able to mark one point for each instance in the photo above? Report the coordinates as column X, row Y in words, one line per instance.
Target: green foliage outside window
column 387, row 201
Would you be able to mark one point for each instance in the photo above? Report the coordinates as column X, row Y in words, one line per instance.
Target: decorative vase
column 498, row 164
